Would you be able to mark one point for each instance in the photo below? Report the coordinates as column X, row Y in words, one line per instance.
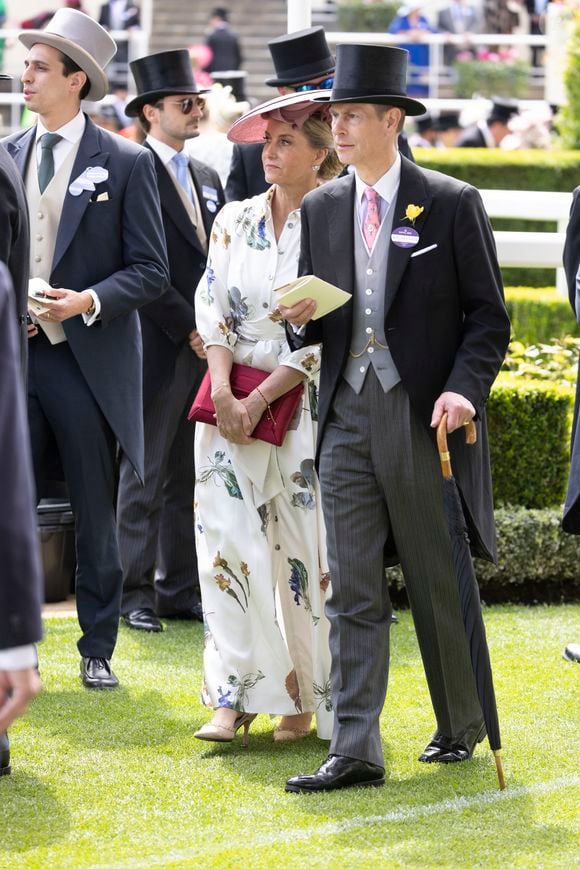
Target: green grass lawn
column 117, row 779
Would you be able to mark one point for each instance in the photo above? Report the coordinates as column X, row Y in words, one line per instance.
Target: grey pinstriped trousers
column 379, row 469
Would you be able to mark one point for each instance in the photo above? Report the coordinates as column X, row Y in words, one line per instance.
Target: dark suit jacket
column 117, row 248
column 571, row 520
column 131, row 16
column 472, row 137
column 21, row 580
column 446, row 321
column 246, row 178
column 225, row 49
column 14, row 241
column 167, row 322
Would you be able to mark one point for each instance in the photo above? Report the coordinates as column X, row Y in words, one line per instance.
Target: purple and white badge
column 405, row 236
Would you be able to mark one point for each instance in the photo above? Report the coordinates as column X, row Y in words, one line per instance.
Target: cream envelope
column 327, row 296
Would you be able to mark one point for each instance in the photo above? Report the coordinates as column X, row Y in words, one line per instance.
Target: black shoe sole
column 93, row 687
column 294, row 789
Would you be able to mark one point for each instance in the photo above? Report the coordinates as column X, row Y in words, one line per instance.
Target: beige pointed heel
column 212, row 732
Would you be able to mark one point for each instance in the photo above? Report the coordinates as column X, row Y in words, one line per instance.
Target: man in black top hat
column 424, row 335
column 155, row 522
column 302, row 62
column 489, row 133
column 223, row 43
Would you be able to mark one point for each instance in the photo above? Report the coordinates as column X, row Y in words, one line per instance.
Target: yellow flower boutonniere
column 413, row 212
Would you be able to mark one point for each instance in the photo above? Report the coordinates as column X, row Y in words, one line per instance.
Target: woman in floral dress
column 259, row 528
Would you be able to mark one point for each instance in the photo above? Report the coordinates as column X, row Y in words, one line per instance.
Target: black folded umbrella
column 469, row 594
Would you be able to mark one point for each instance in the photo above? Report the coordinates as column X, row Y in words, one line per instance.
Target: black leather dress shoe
column 97, row 673
column 194, row 613
column 5, row 767
column 443, row 750
column 143, row 620
column 338, row 772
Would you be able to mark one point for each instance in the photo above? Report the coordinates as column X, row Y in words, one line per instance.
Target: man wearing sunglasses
column 302, row 62
column 155, row 522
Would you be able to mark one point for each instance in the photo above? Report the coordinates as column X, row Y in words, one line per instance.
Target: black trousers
column 63, row 411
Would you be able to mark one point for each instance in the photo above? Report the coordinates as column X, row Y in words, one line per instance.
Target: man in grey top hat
column 98, row 251
column 424, row 335
column 155, row 521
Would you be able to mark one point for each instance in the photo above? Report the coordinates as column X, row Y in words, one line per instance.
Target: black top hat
column 300, row 56
column 424, row 123
column 447, row 121
column 161, row 75
column 373, row 74
column 502, row 110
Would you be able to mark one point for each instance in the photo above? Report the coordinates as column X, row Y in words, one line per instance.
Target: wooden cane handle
column 444, row 456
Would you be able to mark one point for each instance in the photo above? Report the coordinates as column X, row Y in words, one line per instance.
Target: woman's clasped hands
column 237, row 419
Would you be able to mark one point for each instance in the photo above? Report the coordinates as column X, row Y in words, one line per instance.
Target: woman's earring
column 315, row 168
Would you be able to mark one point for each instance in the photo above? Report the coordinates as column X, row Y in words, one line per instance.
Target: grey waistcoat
column 368, row 319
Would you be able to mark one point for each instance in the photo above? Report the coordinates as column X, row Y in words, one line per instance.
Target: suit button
column 40, row 215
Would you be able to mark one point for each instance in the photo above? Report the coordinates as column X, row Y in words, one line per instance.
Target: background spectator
column 223, row 42
column 458, row 18
column 410, row 19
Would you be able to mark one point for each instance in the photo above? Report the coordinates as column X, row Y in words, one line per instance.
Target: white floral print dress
column 259, row 528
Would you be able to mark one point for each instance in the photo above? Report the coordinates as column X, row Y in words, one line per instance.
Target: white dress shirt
column 18, row 658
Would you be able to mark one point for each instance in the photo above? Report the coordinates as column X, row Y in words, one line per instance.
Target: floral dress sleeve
column 305, row 360
column 212, row 308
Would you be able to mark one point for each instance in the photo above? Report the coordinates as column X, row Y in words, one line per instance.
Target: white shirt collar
column 72, row 131
column 165, row 152
column 386, row 186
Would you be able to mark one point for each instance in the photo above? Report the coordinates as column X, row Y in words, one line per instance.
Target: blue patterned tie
column 46, row 165
column 182, row 173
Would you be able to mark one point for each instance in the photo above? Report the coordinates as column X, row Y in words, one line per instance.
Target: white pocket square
column 424, row 250
column 102, row 197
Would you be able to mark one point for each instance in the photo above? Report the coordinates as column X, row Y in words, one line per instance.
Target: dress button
column 265, row 305
column 369, row 330
column 37, row 259
column 371, row 350
column 369, row 292
column 369, row 271
column 290, row 226
column 362, row 369
column 277, row 547
column 368, row 311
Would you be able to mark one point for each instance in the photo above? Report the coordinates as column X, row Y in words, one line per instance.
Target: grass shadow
column 27, row 803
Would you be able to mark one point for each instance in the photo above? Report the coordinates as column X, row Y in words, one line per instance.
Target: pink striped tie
column 372, row 221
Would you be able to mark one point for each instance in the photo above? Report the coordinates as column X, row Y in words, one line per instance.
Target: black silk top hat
column 373, row 74
column 300, row 56
column 502, row 110
column 161, row 75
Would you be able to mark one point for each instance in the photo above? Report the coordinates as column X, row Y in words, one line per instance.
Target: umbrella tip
column 499, row 769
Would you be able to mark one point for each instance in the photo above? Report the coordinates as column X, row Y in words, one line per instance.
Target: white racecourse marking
column 398, row 816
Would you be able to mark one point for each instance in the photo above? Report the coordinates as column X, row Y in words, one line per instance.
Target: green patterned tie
column 46, row 166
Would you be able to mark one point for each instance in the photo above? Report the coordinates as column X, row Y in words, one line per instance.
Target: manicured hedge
column 529, row 432
column 490, row 168
column 539, row 315
column 537, row 561
column 363, row 17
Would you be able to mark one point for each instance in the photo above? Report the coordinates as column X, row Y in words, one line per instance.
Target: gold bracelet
column 262, row 396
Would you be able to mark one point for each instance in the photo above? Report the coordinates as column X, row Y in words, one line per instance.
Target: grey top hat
column 83, row 40
column 372, row 74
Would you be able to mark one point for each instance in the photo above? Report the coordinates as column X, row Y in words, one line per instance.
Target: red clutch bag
column 276, row 419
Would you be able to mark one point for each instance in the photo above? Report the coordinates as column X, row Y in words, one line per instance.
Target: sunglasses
column 323, row 85
column 186, row 105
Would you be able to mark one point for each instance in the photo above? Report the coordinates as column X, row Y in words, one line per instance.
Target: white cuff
column 18, row 658
column 298, row 330
column 89, row 320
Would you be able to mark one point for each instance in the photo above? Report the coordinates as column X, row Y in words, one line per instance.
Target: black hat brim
column 411, row 107
column 297, row 79
column 133, row 107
